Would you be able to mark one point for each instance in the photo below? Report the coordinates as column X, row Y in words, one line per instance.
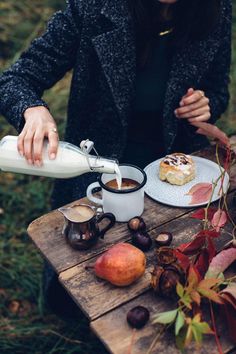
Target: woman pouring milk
column 146, row 75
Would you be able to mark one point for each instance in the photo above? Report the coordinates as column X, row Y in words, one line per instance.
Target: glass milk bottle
column 71, row 161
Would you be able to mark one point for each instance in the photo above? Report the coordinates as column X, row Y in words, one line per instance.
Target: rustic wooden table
column 105, row 305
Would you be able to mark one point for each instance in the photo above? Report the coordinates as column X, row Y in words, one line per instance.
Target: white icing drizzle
column 182, row 162
column 177, row 159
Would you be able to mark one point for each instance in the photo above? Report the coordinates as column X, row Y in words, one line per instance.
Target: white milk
column 71, row 161
column 118, row 176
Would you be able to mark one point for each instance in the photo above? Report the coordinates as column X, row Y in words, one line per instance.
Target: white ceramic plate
column 163, row 192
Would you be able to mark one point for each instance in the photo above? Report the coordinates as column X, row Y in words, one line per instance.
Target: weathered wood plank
column 115, row 333
column 96, row 297
column 46, row 231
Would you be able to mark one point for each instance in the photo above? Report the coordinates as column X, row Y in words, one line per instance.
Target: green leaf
column 204, row 328
column 180, row 339
column 210, row 275
column 165, row 317
column 210, row 294
column 221, row 276
column 189, row 335
column 180, row 290
column 197, row 334
column 186, row 300
column 179, row 323
column 209, row 283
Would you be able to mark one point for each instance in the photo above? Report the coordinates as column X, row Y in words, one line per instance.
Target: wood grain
column 116, row 334
column 96, row 296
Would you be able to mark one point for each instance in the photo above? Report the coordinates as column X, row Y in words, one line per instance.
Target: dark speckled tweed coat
column 96, row 39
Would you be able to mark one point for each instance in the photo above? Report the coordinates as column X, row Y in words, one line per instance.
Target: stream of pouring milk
column 118, row 176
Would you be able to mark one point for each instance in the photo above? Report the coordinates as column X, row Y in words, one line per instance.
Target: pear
column 121, row 265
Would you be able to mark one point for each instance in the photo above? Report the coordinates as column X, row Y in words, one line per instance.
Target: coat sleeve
column 46, row 61
column 217, row 80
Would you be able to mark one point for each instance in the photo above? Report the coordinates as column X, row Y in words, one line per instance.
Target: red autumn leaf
column 212, row 131
column 231, row 290
column 211, row 249
column 195, row 297
column 193, row 277
column 200, row 214
column 219, row 219
column 208, row 233
column 222, row 261
column 190, row 248
column 228, row 295
column 183, row 259
column 230, row 315
column 228, row 298
column 210, row 212
column 196, row 187
column 200, row 193
column 202, row 262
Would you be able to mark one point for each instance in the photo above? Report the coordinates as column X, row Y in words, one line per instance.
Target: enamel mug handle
column 90, row 191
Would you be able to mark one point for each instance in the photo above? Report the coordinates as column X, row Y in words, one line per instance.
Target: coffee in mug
column 126, row 183
column 124, row 203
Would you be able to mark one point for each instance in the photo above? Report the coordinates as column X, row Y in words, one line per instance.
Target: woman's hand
column 39, row 124
column 194, row 107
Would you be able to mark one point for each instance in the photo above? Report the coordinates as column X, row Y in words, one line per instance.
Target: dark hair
column 190, row 19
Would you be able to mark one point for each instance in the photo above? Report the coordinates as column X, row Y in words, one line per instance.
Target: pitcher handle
column 111, row 218
column 89, row 193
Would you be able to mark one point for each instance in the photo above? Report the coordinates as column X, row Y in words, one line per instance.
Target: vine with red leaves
column 203, row 267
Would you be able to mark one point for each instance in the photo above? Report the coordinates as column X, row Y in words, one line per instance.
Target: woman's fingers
column 195, row 113
column 28, row 143
column 39, row 124
column 194, row 106
column 202, row 118
column 182, row 111
column 189, row 93
column 20, row 142
column 194, row 97
column 38, row 147
column 53, row 143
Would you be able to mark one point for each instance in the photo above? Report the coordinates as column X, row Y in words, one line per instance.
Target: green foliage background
column 25, row 325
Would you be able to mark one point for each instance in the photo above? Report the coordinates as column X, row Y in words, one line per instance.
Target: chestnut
column 164, row 280
column 142, row 240
column 136, row 224
column 138, row 316
column 164, row 239
column 165, row 256
column 168, row 282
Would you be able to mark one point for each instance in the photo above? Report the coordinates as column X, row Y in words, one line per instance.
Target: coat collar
column 117, row 12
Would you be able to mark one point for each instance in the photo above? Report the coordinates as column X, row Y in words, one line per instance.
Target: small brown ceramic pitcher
column 81, row 225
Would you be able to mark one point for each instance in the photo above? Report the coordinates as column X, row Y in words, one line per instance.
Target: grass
column 26, row 326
